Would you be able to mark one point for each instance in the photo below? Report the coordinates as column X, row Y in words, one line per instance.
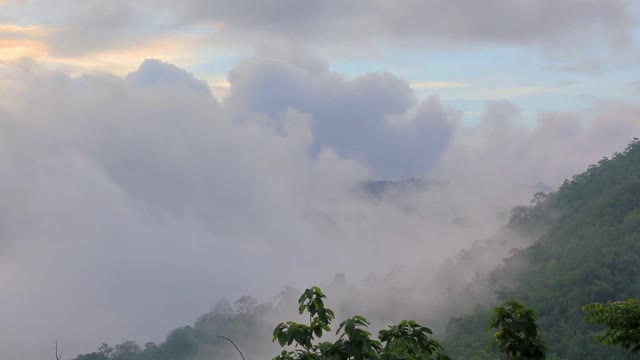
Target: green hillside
column 589, row 252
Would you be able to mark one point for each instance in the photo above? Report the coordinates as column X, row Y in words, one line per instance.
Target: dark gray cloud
column 538, row 22
column 76, row 28
column 543, row 22
column 290, row 19
column 354, row 117
column 154, row 73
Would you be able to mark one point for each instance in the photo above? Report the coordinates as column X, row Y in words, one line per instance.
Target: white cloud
column 131, row 205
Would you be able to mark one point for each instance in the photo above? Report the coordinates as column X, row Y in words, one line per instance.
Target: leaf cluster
column 405, row 341
column 622, row 319
column 518, row 332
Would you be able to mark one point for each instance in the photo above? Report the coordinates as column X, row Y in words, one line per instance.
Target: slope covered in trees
column 579, row 245
column 588, row 252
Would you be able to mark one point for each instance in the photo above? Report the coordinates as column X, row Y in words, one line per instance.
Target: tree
column 408, row 340
column 128, row 350
column 518, row 333
column 622, row 319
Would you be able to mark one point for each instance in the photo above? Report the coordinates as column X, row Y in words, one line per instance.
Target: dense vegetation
column 588, row 253
column 586, row 249
column 243, row 321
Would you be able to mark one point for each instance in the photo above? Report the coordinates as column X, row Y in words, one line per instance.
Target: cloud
column 592, row 65
column 489, row 93
column 634, row 86
column 421, row 85
column 149, row 191
column 545, row 23
column 18, row 31
column 286, row 18
column 156, row 73
column 557, row 147
column 95, row 25
column 90, row 26
column 12, row 49
column 349, row 116
column 132, row 205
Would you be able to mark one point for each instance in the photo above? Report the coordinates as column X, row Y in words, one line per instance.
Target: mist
column 132, row 204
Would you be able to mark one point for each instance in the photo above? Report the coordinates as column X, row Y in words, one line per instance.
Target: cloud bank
column 543, row 23
column 133, row 204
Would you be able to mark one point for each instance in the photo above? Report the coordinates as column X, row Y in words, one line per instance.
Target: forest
column 577, row 278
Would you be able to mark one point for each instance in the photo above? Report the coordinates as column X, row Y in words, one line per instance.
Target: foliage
column 587, row 251
column 622, row 320
column 517, row 334
column 408, row 340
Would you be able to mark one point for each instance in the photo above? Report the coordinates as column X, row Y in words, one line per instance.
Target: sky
column 159, row 156
column 533, row 53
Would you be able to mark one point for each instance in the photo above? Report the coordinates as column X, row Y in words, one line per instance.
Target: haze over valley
column 159, row 159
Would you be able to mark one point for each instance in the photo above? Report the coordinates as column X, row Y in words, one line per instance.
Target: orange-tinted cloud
column 15, row 49
column 30, row 42
column 18, row 30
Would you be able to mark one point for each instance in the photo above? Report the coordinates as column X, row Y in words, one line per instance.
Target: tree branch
column 232, row 343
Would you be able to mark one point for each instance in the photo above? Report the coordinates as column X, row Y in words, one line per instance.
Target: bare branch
column 234, row 345
column 58, row 355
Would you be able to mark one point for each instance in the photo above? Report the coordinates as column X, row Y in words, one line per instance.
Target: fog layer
column 131, row 205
